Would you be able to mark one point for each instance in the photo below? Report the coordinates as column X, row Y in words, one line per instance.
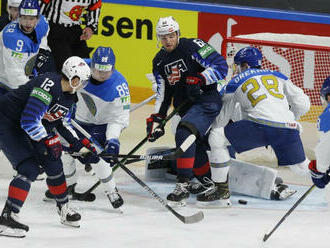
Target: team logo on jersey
column 173, row 71
column 56, row 112
column 75, row 13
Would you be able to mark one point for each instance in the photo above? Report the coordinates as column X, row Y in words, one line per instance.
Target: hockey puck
column 240, row 201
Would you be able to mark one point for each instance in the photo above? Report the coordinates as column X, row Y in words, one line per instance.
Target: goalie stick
column 267, row 235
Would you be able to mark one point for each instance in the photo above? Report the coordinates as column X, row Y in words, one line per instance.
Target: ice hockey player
column 23, row 44
column 319, row 168
column 29, row 115
column 12, row 9
column 270, row 104
column 103, row 111
column 185, row 68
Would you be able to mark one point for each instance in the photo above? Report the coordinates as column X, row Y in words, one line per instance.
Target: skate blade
column 179, row 204
column 12, row 232
column 224, row 203
column 46, row 199
column 75, row 224
column 287, row 193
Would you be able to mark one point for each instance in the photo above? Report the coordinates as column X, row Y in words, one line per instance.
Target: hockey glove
column 83, row 150
column 319, row 179
column 193, row 85
column 53, row 146
column 112, row 147
column 42, row 58
column 159, row 131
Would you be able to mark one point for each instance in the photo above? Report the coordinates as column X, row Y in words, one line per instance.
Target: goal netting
column 305, row 59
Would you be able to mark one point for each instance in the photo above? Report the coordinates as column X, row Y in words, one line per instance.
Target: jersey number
column 122, row 90
column 269, row 82
column 47, row 84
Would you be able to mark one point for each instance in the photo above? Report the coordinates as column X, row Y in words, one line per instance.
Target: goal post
column 305, row 59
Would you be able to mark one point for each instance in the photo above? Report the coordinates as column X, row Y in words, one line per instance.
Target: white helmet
column 14, row 3
column 167, row 25
column 76, row 67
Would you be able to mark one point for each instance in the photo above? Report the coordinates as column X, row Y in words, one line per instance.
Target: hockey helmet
column 103, row 62
column 325, row 90
column 167, row 25
column 76, row 67
column 14, row 3
column 250, row 55
column 29, row 8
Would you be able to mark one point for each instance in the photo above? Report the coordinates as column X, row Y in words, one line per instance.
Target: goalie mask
column 76, row 67
column 249, row 55
column 325, row 91
column 28, row 12
column 103, row 63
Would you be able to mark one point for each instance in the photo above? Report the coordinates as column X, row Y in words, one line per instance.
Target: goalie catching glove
column 84, row 151
column 159, row 131
column 319, row 179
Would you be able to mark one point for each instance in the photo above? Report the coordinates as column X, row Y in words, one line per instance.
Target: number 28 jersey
column 267, row 95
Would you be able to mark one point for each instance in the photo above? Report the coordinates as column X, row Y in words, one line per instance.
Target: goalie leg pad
column 249, row 179
column 158, row 169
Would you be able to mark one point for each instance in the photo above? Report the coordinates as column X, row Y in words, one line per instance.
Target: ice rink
column 146, row 223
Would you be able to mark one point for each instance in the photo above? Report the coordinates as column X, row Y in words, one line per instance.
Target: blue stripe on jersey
column 216, row 66
column 323, row 123
column 245, row 75
column 108, row 91
column 31, row 118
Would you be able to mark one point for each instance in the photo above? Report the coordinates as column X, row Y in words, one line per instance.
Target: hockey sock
column 185, row 163
column 57, row 187
column 18, row 190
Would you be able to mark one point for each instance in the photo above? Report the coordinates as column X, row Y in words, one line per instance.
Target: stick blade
column 266, row 236
column 192, row 219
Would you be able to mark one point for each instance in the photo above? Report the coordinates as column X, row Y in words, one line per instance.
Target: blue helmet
column 325, row 89
column 29, row 8
column 103, row 59
column 250, row 55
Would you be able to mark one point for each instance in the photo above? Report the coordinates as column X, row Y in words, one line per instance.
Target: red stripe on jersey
column 17, row 193
column 57, row 190
column 97, row 5
column 202, row 170
column 185, row 163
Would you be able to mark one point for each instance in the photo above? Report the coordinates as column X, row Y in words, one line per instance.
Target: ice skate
column 179, row 195
column 281, row 192
column 115, row 199
column 196, row 187
column 216, row 196
column 10, row 227
column 69, row 216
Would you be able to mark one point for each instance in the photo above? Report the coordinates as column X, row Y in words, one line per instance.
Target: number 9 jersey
column 264, row 96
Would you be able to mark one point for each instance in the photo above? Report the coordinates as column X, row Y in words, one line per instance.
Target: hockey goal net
column 304, row 59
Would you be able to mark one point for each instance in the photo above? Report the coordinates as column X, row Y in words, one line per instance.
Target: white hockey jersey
column 16, row 49
column 107, row 103
column 322, row 153
column 265, row 96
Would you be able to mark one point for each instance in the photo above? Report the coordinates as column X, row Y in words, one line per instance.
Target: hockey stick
column 143, row 102
column 185, row 219
column 156, row 156
column 267, row 235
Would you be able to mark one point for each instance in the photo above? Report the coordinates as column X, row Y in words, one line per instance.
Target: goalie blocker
column 243, row 177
